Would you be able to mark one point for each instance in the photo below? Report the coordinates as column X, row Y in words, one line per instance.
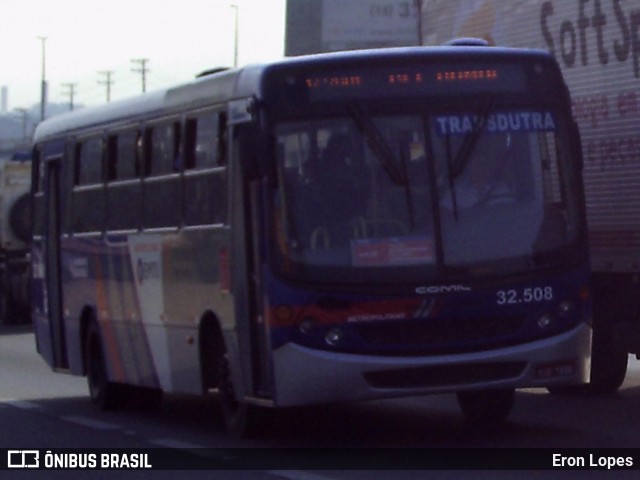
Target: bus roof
column 201, row 92
column 247, row 81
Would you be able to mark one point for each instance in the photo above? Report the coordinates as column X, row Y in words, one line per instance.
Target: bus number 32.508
column 526, row 295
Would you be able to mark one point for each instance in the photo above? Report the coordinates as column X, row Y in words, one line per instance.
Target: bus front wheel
column 240, row 419
column 486, row 407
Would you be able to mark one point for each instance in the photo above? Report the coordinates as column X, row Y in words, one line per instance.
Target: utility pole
column 70, row 90
column 25, row 116
column 43, row 82
column 107, row 81
column 142, row 69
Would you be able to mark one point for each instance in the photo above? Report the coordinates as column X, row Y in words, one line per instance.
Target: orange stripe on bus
column 108, row 334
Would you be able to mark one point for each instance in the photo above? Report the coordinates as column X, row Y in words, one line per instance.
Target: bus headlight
column 334, row 337
column 565, row 308
column 307, row 325
column 545, row 321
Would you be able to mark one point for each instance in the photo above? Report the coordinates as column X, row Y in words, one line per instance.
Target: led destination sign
column 415, row 81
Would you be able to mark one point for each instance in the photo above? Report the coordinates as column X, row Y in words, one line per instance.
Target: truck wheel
column 608, row 364
column 20, row 218
column 486, row 407
column 104, row 394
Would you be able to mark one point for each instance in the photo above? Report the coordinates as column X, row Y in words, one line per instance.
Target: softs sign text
column 601, row 31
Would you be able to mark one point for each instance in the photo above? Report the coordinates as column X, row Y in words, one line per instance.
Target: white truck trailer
column 597, row 43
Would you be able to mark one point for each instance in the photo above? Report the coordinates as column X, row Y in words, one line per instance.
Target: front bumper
column 304, row 376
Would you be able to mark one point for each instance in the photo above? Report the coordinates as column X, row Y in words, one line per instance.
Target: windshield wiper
column 397, row 170
column 378, row 145
column 457, row 165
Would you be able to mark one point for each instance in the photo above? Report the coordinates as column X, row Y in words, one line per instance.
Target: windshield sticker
column 509, row 122
column 392, row 251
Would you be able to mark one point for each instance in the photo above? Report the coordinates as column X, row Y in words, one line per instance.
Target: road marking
column 22, row 404
column 89, row 422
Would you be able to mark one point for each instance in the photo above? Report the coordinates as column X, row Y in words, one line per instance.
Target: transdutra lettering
column 496, row 123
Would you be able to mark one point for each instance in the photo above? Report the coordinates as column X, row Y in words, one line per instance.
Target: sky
column 180, row 38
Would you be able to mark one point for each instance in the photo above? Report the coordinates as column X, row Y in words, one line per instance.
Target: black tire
column 240, row 420
column 614, row 303
column 20, row 218
column 486, row 407
column 608, row 367
column 104, row 394
column 608, row 364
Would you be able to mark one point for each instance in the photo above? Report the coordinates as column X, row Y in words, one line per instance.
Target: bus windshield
column 419, row 196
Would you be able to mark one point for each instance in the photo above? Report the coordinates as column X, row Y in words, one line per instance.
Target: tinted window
column 163, row 148
column 203, row 141
column 205, row 194
column 89, row 161
column 122, row 155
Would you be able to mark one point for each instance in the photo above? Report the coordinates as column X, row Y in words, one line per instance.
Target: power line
column 142, row 70
column 107, row 81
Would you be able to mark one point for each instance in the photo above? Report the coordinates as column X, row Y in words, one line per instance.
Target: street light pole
column 43, row 84
column 236, row 9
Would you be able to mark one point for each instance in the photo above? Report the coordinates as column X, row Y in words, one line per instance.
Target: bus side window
column 122, row 155
column 88, row 196
column 162, row 185
column 205, row 176
column 68, row 182
column 222, row 139
column 164, row 148
column 202, row 141
column 89, row 161
column 37, row 170
column 112, row 158
column 75, row 163
column 124, row 191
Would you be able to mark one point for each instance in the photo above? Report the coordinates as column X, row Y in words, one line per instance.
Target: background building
column 314, row 26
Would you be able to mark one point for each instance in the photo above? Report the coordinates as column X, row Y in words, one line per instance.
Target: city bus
column 331, row 228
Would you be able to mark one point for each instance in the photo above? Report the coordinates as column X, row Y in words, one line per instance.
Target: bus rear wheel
column 486, row 407
column 104, row 394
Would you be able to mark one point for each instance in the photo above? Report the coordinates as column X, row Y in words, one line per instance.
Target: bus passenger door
column 52, row 276
column 246, row 241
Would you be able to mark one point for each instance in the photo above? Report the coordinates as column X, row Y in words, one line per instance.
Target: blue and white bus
column 330, row 228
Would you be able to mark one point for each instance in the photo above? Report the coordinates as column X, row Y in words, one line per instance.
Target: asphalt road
column 44, row 410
